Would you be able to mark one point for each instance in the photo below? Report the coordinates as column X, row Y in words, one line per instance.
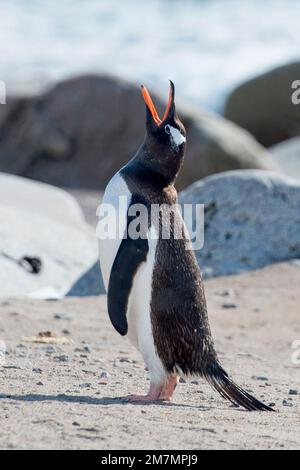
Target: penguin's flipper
column 131, row 254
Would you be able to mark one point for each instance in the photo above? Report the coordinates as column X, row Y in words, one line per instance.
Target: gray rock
column 295, row 262
column 62, row 358
column 287, row 156
column 40, row 198
column 26, row 133
column 85, row 385
column 90, row 283
column 32, row 224
column 264, row 106
column 216, row 145
column 63, row 316
column 79, row 133
column 252, row 219
column 104, row 375
column 229, row 305
column 227, row 293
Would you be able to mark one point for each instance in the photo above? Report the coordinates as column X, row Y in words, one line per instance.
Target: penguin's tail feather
column 218, row 378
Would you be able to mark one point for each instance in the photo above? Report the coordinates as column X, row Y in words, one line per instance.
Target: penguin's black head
column 166, row 138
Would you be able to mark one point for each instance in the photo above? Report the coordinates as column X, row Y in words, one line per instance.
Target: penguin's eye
column 168, row 129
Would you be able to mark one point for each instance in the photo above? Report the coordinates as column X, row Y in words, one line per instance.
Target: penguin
column 155, row 293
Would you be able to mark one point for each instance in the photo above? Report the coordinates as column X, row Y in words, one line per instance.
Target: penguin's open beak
column 151, row 107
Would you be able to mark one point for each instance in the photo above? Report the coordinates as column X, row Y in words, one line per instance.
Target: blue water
column 206, row 47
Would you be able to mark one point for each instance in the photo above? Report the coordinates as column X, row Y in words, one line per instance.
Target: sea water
column 206, row 47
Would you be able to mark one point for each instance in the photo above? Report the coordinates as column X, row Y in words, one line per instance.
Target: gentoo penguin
column 155, row 293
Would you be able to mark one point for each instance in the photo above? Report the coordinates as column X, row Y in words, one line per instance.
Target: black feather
column 218, row 378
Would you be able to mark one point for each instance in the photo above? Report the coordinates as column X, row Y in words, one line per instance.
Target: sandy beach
column 68, row 396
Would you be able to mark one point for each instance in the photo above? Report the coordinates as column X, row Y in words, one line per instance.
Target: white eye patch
column 175, row 135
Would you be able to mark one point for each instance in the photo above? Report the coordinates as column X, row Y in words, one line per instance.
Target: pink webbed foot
column 169, row 387
column 152, row 395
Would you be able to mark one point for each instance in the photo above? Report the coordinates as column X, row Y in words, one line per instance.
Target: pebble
column 104, row 378
column 211, row 430
column 260, row 378
column 48, row 349
column 62, row 358
column 229, row 305
column 125, row 359
column 86, row 385
column 246, row 354
column 227, row 293
column 11, row 367
column 62, row 316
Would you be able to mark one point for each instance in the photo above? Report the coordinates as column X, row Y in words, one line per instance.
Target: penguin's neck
column 155, row 168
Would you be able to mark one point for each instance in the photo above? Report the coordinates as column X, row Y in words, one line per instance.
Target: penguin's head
column 165, row 138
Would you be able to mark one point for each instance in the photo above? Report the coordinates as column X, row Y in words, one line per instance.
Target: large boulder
column 45, row 244
column 264, row 105
column 90, row 283
column 27, row 135
column 251, row 219
column 40, row 198
column 216, row 145
column 287, row 156
column 79, row 133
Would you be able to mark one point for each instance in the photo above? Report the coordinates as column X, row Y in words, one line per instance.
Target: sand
column 67, row 396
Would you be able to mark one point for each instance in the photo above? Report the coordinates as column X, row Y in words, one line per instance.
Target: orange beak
column 151, row 107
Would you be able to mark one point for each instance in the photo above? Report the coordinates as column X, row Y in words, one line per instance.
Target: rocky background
column 58, row 150
column 78, row 133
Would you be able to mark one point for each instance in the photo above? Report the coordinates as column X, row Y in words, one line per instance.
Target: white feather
column 138, row 316
column 176, row 137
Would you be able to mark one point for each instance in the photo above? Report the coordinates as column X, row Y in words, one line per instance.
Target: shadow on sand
column 31, row 397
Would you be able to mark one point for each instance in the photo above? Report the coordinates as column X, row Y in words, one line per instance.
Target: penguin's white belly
column 139, row 317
